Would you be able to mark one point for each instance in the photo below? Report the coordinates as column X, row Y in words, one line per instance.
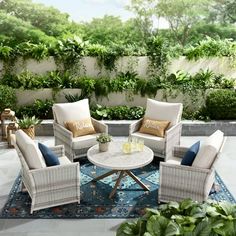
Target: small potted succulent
column 103, row 140
column 27, row 124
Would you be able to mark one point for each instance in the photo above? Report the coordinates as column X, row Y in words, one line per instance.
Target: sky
column 86, row 10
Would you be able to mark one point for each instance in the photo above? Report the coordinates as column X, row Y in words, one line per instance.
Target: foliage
column 158, row 53
column 212, row 48
column 27, row 122
column 117, row 112
column 184, row 218
column 221, row 104
column 104, row 138
column 7, row 98
column 40, row 108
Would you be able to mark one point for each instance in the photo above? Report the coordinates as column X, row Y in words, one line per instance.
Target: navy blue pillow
column 190, row 154
column 50, row 158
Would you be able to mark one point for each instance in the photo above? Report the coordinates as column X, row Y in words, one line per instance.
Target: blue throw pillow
column 190, row 154
column 50, row 158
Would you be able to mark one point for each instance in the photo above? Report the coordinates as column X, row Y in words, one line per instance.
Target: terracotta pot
column 103, row 147
column 30, row 132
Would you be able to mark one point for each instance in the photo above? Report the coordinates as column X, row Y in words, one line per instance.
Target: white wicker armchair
column 78, row 146
column 178, row 182
column 162, row 147
column 51, row 186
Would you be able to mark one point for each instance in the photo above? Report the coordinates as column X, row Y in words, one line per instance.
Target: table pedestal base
column 122, row 173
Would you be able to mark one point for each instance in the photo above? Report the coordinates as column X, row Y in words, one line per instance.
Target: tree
column 223, row 11
column 14, row 30
column 48, row 19
column 144, row 12
column 182, row 15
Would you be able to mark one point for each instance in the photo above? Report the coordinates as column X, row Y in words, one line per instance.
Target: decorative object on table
column 155, row 112
column 129, row 202
column 133, row 145
column 104, row 140
column 6, row 115
column 11, row 129
column 27, row 124
column 75, row 147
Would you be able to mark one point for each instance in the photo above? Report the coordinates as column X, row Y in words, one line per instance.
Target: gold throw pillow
column 154, row 127
column 80, row 127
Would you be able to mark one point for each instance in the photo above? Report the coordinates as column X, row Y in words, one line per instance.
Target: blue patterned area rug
column 129, row 202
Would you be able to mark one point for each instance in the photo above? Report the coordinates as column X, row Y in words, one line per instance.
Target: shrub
column 117, row 112
column 184, row 218
column 221, row 104
column 7, row 98
column 40, row 108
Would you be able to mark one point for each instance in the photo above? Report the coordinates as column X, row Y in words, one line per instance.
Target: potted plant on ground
column 104, row 140
column 27, row 124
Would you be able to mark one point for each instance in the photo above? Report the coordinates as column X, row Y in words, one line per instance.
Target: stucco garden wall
column 90, row 67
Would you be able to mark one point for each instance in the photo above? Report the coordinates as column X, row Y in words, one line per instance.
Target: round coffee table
column 120, row 162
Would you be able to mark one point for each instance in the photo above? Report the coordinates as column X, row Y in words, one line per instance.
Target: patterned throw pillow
column 154, row 127
column 80, row 127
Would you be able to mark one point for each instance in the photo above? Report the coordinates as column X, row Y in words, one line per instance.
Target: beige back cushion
column 208, row 150
column 71, row 111
column 154, row 127
column 164, row 111
column 80, row 127
column 30, row 150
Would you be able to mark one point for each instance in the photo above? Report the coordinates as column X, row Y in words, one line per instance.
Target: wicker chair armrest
column 62, row 130
column 59, row 150
column 99, row 126
column 182, row 171
column 179, row 182
column 179, row 151
column 172, row 138
column 135, row 126
column 55, row 177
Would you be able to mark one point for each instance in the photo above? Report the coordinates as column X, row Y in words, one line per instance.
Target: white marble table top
column 115, row 159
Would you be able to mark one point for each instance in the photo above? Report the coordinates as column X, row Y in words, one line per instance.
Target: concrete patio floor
column 10, row 167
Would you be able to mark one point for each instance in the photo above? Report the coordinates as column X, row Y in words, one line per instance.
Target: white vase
column 103, row 147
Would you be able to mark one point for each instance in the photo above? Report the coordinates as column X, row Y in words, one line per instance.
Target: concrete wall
column 26, row 97
column 89, row 66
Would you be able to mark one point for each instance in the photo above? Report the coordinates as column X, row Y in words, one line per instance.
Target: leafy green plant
column 104, row 138
column 27, row 122
column 7, row 98
column 72, row 97
column 184, row 219
column 117, row 112
column 221, row 104
column 212, row 48
column 40, row 108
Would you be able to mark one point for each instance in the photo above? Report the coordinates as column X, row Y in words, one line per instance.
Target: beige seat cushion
column 30, row 150
column 71, row 111
column 64, row 160
column 154, row 142
column 85, row 141
column 208, row 150
column 164, row 111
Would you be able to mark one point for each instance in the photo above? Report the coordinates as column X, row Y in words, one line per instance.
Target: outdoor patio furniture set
column 50, row 185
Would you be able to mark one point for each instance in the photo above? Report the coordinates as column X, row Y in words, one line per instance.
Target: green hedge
column 221, row 105
column 7, row 98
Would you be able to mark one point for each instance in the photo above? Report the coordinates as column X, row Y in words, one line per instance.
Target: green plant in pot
column 103, row 140
column 27, row 124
